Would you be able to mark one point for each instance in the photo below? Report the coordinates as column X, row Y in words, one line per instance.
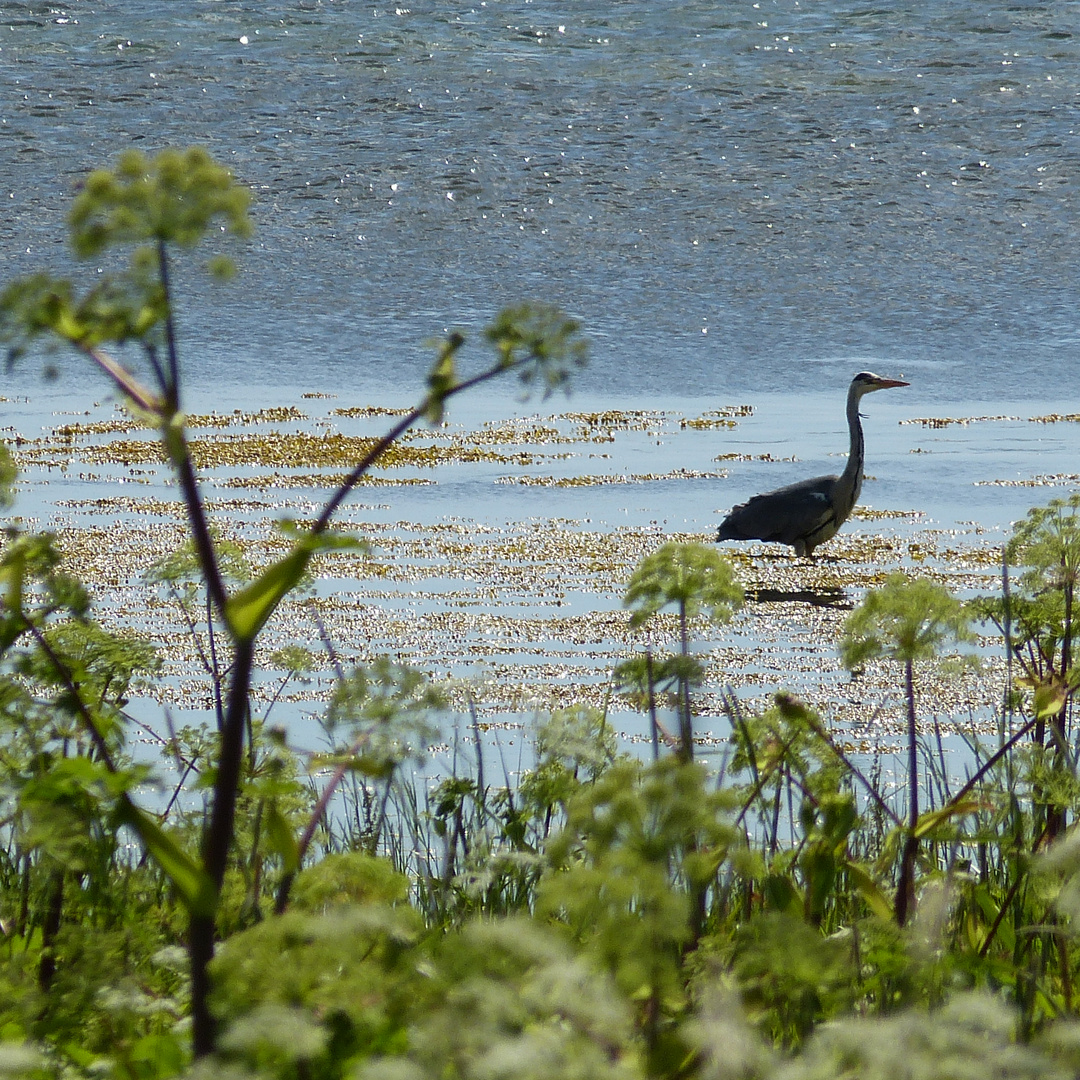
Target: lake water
column 819, row 185
column 742, row 203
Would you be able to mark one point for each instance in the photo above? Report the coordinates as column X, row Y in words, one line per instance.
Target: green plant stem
column 395, row 433
column 686, row 725
column 50, row 929
column 913, row 747
column 1055, row 815
column 853, row 769
column 200, row 530
column 905, row 887
column 200, row 953
column 653, row 725
column 171, row 390
column 218, row 840
column 128, row 385
column 219, row 834
column 88, row 722
column 282, row 901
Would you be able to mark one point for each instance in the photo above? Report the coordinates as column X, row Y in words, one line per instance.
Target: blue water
column 743, row 203
column 819, row 186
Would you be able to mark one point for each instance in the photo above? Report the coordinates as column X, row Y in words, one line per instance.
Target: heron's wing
column 784, row 516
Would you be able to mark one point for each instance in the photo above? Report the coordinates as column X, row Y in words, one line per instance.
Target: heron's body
column 806, row 514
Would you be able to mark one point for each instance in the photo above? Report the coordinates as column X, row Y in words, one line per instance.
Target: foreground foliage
column 602, row 916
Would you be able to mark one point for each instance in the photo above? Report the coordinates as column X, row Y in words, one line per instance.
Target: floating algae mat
column 497, row 552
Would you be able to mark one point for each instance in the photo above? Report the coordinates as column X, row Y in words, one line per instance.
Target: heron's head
column 866, row 382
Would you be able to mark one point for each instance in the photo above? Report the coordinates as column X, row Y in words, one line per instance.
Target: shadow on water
column 835, row 598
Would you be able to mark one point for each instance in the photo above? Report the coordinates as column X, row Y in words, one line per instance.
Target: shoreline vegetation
column 750, row 893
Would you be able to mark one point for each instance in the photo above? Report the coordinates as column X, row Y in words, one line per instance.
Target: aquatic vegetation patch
column 296, row 450
column 276, row 414
column 368, row 412
column 319, row 481
column 726, row 417
column 753, row 457
column 125, row 504
column 947, row 421
column 1040, row 480
column 601, row 479
column 117, row 425
column 868, row 513
column 522, row 431
column 599, row 426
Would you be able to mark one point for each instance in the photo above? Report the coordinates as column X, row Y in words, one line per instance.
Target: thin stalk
column 87, row 720
column 322, row 523
column 686, row 723
column 853, row 769
column 155, row 364
column 652, row 706
column 777, row 798
column 217, row 842
column 306, row 836
column 172, row 389
column 380, row 821
column 1006, row 629
column 1056, row 816
column 913, row 747
column 215, row 669
column 480, row 788
column 50, row 929
column 905, row 887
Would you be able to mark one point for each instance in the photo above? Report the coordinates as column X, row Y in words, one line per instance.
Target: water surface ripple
column 807, row 182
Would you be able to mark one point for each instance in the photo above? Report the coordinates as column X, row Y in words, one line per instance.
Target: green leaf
column 282, row 839
column 8, row 473
column 1050, row 698
column 158, row 1056
column 248, row 610
column 192, row 883
column 442, row 379
column 1005, row 933
column 868, row 889
column 933, row 818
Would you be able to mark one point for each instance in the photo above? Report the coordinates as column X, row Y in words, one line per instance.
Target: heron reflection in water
column 807, row 514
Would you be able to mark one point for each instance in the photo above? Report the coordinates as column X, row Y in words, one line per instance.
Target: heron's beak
column 888, row 384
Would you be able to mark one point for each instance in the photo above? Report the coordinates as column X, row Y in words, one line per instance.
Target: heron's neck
column 851, row 478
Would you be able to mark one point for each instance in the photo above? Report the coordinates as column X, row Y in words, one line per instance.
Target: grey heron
column 806, row 514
